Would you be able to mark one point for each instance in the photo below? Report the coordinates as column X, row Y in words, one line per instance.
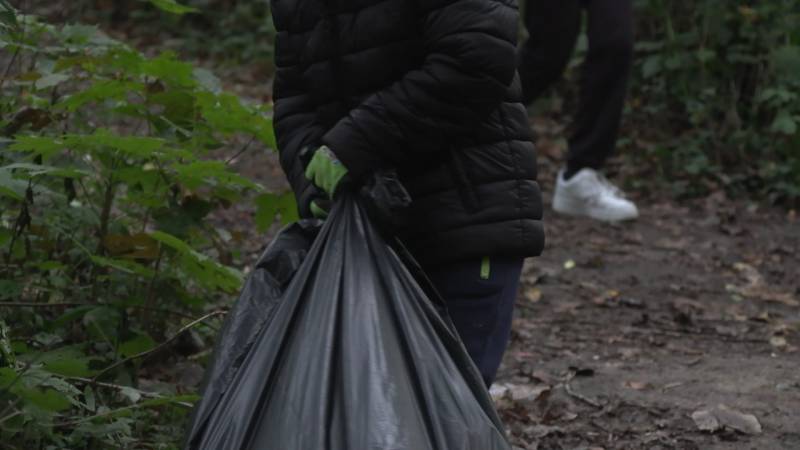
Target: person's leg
column 553, row 27
column 481, row 306
column 603, row 84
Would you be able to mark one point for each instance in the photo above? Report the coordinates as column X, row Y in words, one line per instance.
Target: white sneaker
column 589, row 193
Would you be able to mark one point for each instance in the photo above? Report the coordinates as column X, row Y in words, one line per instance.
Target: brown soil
column 624, row 331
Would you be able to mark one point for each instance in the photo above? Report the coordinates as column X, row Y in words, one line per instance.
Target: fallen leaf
column 778, row 341
column 714, row 419
column 636, row 385
column 533, row 295
column 706, row 421
column 504, row 395
column 744, row 423
column 527, row 393
column 756, row 288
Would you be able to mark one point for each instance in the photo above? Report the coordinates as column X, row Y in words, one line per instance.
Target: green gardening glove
column 326, row 172
column 318, row 211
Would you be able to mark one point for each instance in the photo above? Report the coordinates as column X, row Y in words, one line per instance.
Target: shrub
column 106, row 186
column 722, row 83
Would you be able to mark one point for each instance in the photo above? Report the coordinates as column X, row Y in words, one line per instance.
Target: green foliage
column 234, row 31
column 172, row 7
column 106, row 190
column 717, row 85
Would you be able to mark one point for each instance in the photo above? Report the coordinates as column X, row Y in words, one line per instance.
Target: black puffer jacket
column 425, row 86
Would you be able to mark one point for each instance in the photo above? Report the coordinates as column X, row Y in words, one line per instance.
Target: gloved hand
column 326, row 172
column 319, row 211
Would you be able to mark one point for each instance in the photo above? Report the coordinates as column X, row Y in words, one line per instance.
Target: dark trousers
column 481, row 309
column 554, row 27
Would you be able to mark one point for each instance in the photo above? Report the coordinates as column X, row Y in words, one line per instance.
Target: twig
column 75, row 305
column 118, row 387
column 109, row 413
column 10, row 416
column 41, row 305
column 159, row 346
column 150, row 296
column 102, row 232
column 8, row 68
column 239, row 153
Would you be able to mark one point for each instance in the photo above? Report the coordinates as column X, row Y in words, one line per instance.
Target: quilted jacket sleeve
column 468, row 66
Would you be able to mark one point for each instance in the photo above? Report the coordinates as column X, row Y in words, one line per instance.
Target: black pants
column 481, row 309
column 554, row 27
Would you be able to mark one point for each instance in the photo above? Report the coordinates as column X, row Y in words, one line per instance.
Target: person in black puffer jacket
column 428, row 88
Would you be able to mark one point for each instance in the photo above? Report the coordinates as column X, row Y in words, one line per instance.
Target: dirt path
column 625, row 331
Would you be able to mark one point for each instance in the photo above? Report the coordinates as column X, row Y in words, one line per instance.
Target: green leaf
column 226, row 114
column 171, row 6
column 87, row 36
column 784, row 123
column 11, row 187
column 168, row 69
column 8, row 378
column 69, row 316
column 786, row 61
column 270, row 205
column 78, row 367
column 172, row 241
column 35, row 170
column 8, row 15
column 122, row 265
column 705, row 55
column 139, row 344
column 211, row 173
column 101, row 91
column 102, row 139
column 5, row 237
column 651, row 66
column 51, row 80
column 102, row 322
column 49, row 265
column 46, row 399
column 44, row 146
column 201, row 268
column 70, row 361
column 179, row 109
column 10, row 289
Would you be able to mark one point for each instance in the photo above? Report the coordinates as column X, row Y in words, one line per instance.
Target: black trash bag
column 252, row 311
column 351, row 355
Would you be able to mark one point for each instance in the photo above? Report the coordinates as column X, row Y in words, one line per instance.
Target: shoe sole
column 565, row 208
